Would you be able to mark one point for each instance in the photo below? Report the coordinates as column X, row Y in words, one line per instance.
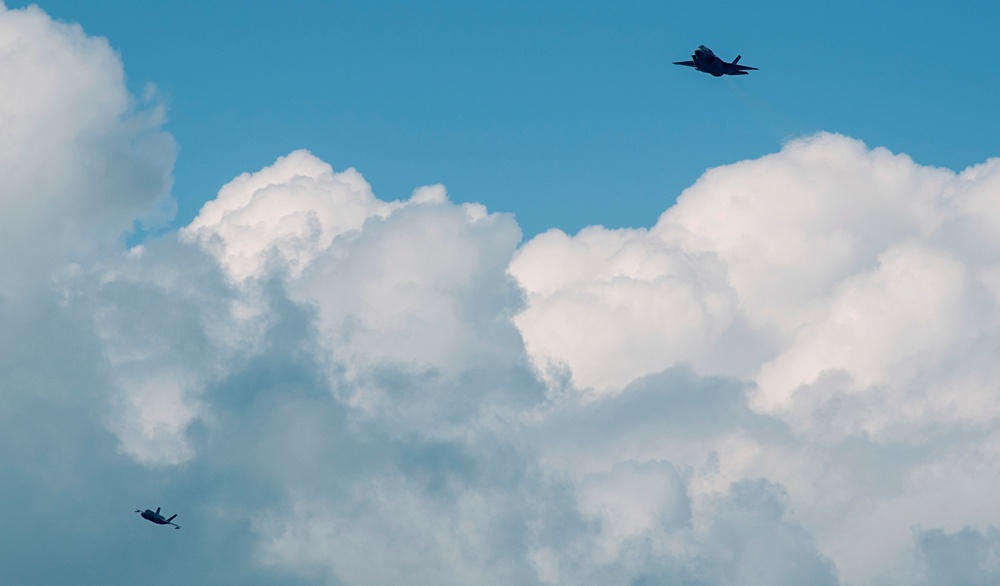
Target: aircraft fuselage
column 151, row 516
column 705, row 60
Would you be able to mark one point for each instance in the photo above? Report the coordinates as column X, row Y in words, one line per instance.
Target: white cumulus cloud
column 852, row 289
column 827, row 257
column 80, row 158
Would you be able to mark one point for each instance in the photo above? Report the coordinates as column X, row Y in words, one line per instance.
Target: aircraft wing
column 687, row 63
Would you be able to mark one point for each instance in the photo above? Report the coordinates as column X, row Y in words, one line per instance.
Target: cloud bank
column 80, row 158
column 788, row 379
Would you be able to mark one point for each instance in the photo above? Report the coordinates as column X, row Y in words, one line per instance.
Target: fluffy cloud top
column 825, row 260
column 789, row 379
column 281, row 217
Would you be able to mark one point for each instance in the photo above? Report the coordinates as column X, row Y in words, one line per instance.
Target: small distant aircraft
column 157, row 517
column 705, row 60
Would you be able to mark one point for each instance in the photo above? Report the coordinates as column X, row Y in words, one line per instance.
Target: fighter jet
column 157, row 517
column 705, row 60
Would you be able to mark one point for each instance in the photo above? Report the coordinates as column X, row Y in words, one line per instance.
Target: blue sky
column 566, row 115
column 786, row 376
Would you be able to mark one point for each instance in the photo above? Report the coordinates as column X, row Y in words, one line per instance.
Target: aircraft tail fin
column 171, row 518
column 157, row 510
column 737, row 60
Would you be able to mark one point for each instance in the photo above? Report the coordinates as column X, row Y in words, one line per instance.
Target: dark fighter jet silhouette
column 705, row 60
column 157, row 517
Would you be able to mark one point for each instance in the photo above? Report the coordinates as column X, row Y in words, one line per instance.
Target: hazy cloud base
column 789, row 379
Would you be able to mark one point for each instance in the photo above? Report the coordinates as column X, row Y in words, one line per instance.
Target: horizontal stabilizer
column 687, row 63
column 739, row 73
